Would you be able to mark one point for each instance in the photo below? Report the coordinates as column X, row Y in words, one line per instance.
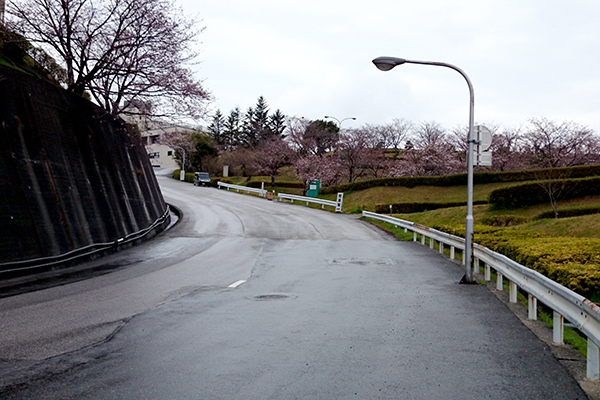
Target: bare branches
column 551, row 144
column 119, row 50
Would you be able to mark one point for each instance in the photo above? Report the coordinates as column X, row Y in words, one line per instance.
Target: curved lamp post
column 386, row 64
column 340, row 122
column 182, row 172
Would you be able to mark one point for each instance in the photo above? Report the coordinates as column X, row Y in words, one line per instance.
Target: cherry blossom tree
column 271, row 156
column 312, row 137
column 507, row 153
column 553, row 144
column 312, row 167
column 119, row 51
column 351, row 152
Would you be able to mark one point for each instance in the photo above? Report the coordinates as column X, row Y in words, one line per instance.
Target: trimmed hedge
column 461, row 179
column 189, row 176
column 409, row 208
column 572, row 262
column 258, row 184
column 573, row 212
column 530, row 194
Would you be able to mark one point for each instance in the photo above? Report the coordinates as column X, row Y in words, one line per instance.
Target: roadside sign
column 483, row 137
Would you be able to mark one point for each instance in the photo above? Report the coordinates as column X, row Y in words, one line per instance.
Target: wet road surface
column 251, row 299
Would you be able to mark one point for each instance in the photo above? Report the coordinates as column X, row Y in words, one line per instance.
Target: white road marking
column 236, row 284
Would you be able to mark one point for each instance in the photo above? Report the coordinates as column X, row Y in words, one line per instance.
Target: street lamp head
column 387, row 63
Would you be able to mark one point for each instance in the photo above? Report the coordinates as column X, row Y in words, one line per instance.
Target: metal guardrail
column 261, row 192
column 566, row 304
column 338, row 204
column 81, row 252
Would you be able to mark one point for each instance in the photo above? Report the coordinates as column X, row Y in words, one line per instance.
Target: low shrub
column 572, row 262
column 567, row 213
column 461, row 179
column 530, row 194
column 504, row 220
column 189, row 176
column 258, row 184
column 409, row 208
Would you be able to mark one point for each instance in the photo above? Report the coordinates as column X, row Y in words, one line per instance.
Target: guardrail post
column 499, row 281
column 423, row 239
column 558, row 329
column 488, row 272
column 452, row 252
column 512, row 291
column 441, row 246
column 431, row 243
column 476, row 266
column 593, row 361
column 531, row 307
column 414, row 236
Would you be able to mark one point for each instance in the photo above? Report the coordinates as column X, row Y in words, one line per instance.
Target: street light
column 182, row 172
column 386, row 64
column 340, row 122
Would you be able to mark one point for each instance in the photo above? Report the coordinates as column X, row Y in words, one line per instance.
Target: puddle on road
column 362, row 261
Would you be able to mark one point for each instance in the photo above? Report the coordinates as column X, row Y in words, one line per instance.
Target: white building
column 161, row 156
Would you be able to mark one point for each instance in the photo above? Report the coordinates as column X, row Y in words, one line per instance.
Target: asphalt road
column 251, row 299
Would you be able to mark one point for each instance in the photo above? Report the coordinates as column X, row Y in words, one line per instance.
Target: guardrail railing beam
column 337, row 204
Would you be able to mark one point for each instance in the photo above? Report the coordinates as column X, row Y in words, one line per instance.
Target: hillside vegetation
column 566, row 250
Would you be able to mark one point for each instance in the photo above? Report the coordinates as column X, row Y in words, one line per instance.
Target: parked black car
column 201, row 179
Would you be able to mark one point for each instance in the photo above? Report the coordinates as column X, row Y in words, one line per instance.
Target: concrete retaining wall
column 70, row 174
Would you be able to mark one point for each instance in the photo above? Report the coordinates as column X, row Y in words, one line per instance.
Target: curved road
column 251, row 299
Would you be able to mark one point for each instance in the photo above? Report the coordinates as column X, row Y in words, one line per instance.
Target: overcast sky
column 311, row 58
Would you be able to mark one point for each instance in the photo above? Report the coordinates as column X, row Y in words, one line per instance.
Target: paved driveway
column 251, row 299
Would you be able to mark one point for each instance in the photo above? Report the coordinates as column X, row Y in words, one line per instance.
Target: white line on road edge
column 235, row 284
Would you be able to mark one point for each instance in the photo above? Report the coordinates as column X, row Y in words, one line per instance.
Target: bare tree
column 432, row 153
column 551, row 144
column 351, row 152
column 2, row 7
column 429, row 134
column 507, row 150
column 392, row 135
column 118, row 50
